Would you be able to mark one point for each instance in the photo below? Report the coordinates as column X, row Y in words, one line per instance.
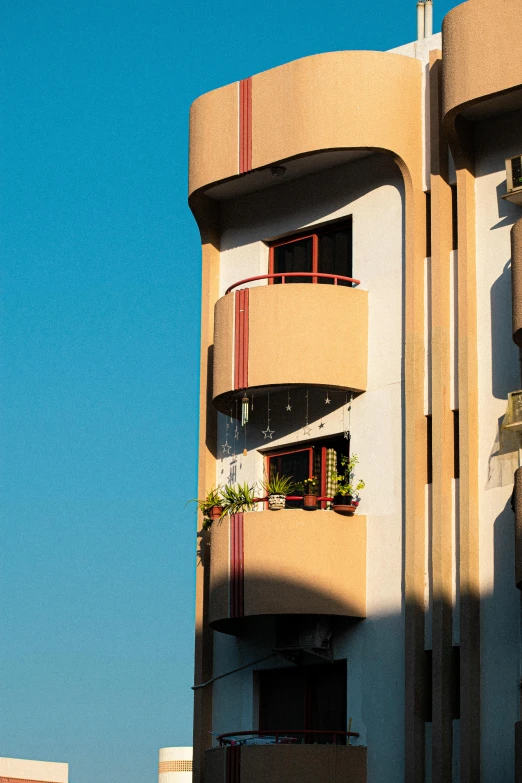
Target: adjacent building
column 23, row 771
column 362, row 295
column 175, row 765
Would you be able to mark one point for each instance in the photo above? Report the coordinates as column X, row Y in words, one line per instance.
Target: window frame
column 314, row 236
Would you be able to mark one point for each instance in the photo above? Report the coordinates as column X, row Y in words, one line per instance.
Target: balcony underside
column 276, row 336
column 289, row 562
column 286, row 764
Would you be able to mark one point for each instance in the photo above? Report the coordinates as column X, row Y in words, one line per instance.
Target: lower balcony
column 288, row 562
column 286, row 763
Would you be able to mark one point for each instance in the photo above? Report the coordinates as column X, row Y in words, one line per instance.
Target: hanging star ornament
column 268, row 432
column 288, row 407
column 226, row 448
column 328, row 400
column 321, row 425
column 307, row 430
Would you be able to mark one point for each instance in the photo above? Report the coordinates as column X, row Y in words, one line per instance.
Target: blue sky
column 99, row 355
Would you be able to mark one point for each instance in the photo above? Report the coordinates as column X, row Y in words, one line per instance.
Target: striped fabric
column 331, row 467
column 317, row 467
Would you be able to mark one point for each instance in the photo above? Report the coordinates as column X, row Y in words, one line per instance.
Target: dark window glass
column 294, row 257
column 454, row 218
column 429, row 450
column 455, row 683
column 516, row 171
column 304, row 697
column 295, row 464
column 428, row 686
column 335, row 255
column 456, row 446
column 428, row 224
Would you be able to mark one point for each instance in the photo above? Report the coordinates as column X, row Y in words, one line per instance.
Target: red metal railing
column 291, row 497
column 284, row 275
column 284, row 736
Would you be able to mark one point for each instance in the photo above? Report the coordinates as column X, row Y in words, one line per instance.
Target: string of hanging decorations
column 247, row 408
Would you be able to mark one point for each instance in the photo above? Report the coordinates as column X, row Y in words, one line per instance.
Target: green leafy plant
column 213, row 498
column 311, row 486
column 238, row 498
column 345, row 479
column 278, row 485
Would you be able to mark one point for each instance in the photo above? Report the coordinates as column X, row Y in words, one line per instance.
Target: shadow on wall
column 262, row 215
column 504, row 355
column 375, row 691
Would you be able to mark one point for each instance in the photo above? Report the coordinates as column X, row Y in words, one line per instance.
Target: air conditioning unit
column 513, row 418
column 514, row 180
column 299, row 638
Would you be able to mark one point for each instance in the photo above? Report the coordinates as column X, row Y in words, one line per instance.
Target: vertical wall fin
column 442, row 435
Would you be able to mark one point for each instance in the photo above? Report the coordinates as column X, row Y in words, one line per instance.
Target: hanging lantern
column 244, row 410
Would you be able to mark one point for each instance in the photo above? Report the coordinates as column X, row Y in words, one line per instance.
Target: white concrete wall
column 49, row 771
column 371, row 191
column 498, row 374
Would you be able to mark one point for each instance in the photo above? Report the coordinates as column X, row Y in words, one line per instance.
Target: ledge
column 289, row 562
column 286, row 764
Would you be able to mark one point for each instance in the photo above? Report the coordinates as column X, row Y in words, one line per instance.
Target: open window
column 320, row 458
column 327, row 251
column 304, row 698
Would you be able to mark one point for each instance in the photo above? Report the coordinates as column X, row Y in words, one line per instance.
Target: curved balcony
column 482, row 59
column 291, row 763
column 283, row 335
column 289, row 562
column 326, row 104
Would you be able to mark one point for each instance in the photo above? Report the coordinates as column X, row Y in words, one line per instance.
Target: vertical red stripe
column 241, row 339
column 236, row 566
column 245, row 125
column 233, row 764
column 245, row 337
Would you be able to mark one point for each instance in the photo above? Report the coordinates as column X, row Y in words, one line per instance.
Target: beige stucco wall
column 295, row 562
column 368, row 100
column 214, row 136
column 327, row 325
column 481, row 51
column 223, row 374
column 23, row 769
column 292, row 764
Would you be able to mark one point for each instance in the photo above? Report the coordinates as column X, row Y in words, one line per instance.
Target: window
column 454, row 218
column 304, row 698
column 327, row 251
column 319, row 459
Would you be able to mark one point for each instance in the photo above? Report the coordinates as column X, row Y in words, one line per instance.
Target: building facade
column 362, row 275
column 175, row 765
column 24, row 771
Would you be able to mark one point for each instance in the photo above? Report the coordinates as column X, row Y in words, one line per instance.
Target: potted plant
column 347, row 498
column 310, row 492
column 211, row 506
column 238, row 498
column 277, row 488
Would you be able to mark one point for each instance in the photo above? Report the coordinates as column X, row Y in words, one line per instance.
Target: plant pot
column 276, row 502
column 343, row 504
column 310, row 502
column 215, row 513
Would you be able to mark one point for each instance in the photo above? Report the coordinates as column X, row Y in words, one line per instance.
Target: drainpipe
column 420, row 20
column 428, row 18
